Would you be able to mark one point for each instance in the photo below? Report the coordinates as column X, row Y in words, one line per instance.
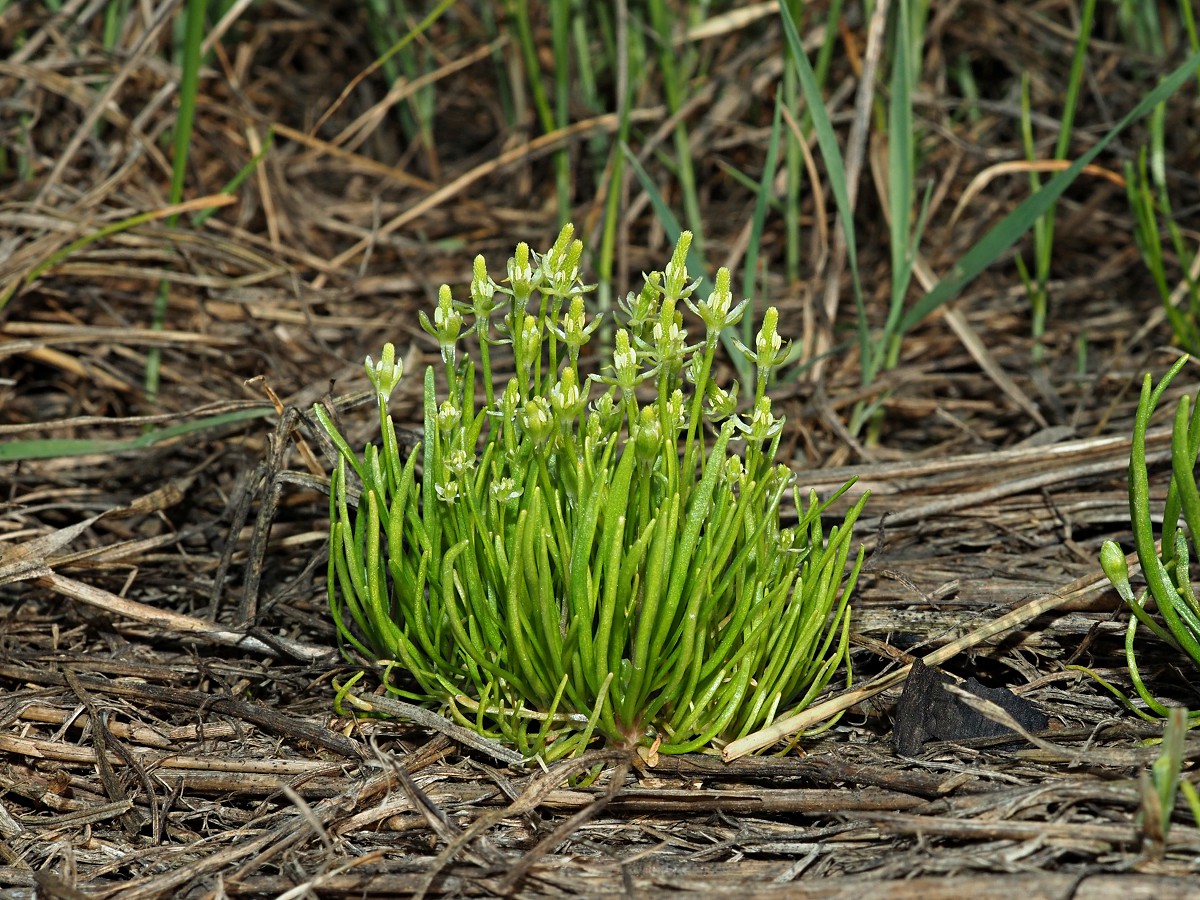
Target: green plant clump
column 1167, row 572
column 587, row 555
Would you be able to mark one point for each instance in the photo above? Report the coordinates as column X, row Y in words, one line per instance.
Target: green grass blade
column 834, row 166
column 189, row 87
column 1010, row 229
column 761, row 203
column 236, row 181
column 901, row 165
column 53, row 448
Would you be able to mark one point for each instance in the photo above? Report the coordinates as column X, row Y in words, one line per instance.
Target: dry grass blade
column 533, row 150
column 565, row 829
column 29, row 559
column 981, row 181
column 182, row 626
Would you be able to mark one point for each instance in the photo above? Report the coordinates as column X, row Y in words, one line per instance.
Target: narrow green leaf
column 1010, row 229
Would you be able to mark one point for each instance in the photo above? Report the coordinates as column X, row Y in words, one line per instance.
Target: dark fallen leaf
column 927, row 712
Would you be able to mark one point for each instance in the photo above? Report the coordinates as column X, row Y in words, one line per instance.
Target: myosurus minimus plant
column 594, row 555
column 1166, row 564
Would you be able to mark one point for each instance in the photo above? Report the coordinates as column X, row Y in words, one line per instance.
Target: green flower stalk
column 588, row 555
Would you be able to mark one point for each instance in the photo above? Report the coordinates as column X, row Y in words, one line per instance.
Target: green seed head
column 448, row 417
column 520, row 272
column 565, row 396
column 763, row 425
column 722, row 403
column 606, row 411
column 676, row 272
column 1112, row 561
column 647, row 436
column 768, row 343
column 530, row 341
column 447, row 491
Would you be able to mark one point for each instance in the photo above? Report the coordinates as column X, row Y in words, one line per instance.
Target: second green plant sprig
column 1167, row 572
column 569, row 566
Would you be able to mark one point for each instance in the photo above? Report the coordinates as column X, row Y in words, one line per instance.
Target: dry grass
column 167, row 726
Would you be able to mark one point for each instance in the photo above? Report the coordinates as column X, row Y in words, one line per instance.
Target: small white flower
column 385, row 374
column 448, row 416
column 504, row 490
column 537, row 419
column 459, row 462
column 565, row 396
column 669, row 342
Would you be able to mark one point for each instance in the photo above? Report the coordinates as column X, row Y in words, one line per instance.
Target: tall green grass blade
column 560, row 16
column 189, row 86
column 53, row 448
column 408, row 61
column 1044, row 229
column 758, row 221
column 1010, row 229
column 834, row 167
column 1075, row 79
column 560, row 25
column 1141, row 27
column 674, row 77
column 793, row 153
column 901, row 174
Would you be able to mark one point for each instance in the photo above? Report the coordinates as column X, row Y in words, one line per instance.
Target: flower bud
column 734, row 470
column 647, row 436
column 561, row 263
column 639, row 307
column 721, row 403
column 520, row 273
column 1112, row 561
column 529, row 342
column 670, row 342
column 504, row 490
column 715, row 312
column 509, row 400
column 675, row 415
column 763, row 425
column 576, row 330
column 459, row 462
column 606, row 411
column 446, row 325
column 768, row 343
